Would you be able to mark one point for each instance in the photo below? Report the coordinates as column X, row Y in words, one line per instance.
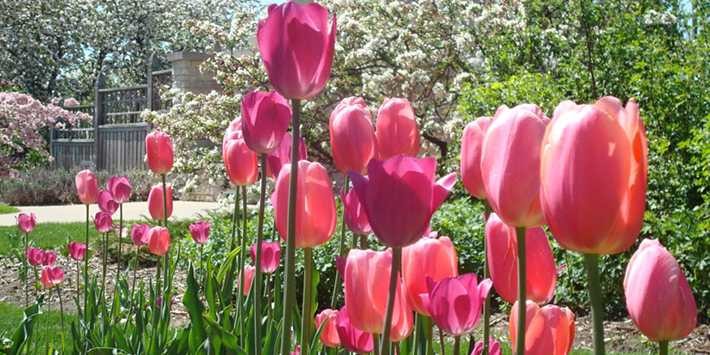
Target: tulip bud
column 103, row 222
column 159, row 152
column 355, row 215
column 249, row 272
column 352, row 338
column 87, row 187
column 155, row 202
column 493, row 347
column 26, row 222
column 77, row 250
column 200, row 231
column 325, row 322
column 49, row 258
column 35, row 256
column 471, row 147
column 158, row 241
column 397, row 131
column 51, row 276
column 428, row 258
column 120, row 188
column 265, row 119
column 107, row 203
column 549, row 330
column 352, row 137
column 455, row 303
column 270, row 255
column 240, row 163
column 139, row 234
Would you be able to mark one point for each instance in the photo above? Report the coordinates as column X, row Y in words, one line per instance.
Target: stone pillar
column 187, row 75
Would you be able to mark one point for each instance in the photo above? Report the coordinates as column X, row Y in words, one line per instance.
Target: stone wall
column 187, row 75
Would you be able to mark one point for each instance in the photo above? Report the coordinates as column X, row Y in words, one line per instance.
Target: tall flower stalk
column 259, row 274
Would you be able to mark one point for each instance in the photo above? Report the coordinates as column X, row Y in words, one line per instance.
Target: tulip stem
column 289, row 286
column 486, row 301
column 363, row 241
column 441, row 342
column 120, row 234
column 663, row 347
column 105, row 259
column 25, row 268
column 61, row 314
column 235, row 219
column 394, row 273
column 307, row 288
column 520, row 341
column 591, row 263
column 258, row 275
column 86, row 262
column 242, row 257
column 457, row 345
column 77, row 283
column 341, row 249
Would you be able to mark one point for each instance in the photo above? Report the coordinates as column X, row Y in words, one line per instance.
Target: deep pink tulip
column 397, row 131
column 296, row 350
column 510, row 165
column 297, row 46
column 326, row 323
column 26, row 222
column 200, row 231
column 87, row 187
column 265, row 119
column 270, row 255
column 586, row 213
column 549, row 330
column 35, row 256
column 158, row 241
column 315, row 205
column 355, row 215
column 159, row 152
column 107, row 203
column 282, row 155
column 493, row 347
column 658, row 297
column 240, row 163
column 366, row 274
column 428, row 258
column 456, row 303
column 155, row 202
column 352, row 137
column 51, row 276
column 352, row 338
column 49, row 258
column 103, row 222
column 396, row 183
column 249, row 272
column 77, row 250
column 139, row 234
column 471, row 148
column 502, row 246
column 120, row 188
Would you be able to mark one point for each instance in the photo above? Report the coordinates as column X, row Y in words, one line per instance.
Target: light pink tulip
column 471, row 148
column 397, row 131
column 282, row 155
column 120, row 188
column 35, row 256
column 155, row 202
column 159, row 152
column 26, row 222
column 265, row 119
column 493, row 347
column 233, row 131
column 240, row 162
column 352, row 137
column 326, row 322
column 51, row 276
column 107, row 203
column 352, row 338
column 456, row 303
column 270, row 255
column 658, row 297
column 549, row 330
column 77, row 250
column 103, row 222
column 200, row 231
column 249, row 272
column 355, row 215
column 158, row 241
column 428, row 258
column 139, row 234
column 87, row 187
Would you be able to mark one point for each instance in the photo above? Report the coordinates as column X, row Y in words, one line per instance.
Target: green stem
column 307, row 288
column 61, row 314
column 429, row 328
column 520, row 341
column 86, row 262
column 375, row 341
column 258, row 275
column 104, row 259
column 202, row 267
column 663, row 347
column 394, row 274
column 165, row 201
column 363, row 241
column 242, row 257
column 290, row 285
column 235, row 219
column 487, row 300
column 591, row 264
column 441, row 342
column 77, row 284
column 120, row 235
column 341, row 247
column 25, row 268
column 457, row 345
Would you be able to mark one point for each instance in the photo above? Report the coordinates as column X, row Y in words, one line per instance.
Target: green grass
column 7, row 209
column 47, row 328
column 45, row 235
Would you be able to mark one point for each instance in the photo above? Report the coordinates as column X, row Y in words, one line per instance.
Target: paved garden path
column 131, row 211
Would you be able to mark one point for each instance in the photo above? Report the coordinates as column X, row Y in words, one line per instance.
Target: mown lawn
column 45, row 235
column 47, row 330
column 6, row 209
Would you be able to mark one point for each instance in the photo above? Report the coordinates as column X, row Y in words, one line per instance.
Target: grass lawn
column 5, row 209
column 47, row 328
column 45, row 235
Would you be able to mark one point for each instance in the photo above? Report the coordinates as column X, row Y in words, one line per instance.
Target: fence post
column 149, row 84
column 98, row 119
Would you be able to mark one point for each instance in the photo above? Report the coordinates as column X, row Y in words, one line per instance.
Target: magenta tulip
column 455, row 303
column 471, row 148
column 107, row 203
column 549, row 330
column 87, row 187
column 155, row 202
column 35, row 256
column 315, row 204
column 355, row 215
column 265, row 120
column 297, row 46
column 158, row 241
column 352, row 338
column 200, row 231
column 77, row 251
column 326, row 322
column 586, row 213
column 51, row 276
column 493, row 347
column 49, row 258
column 270, row 255
column 352, row 137
column 658, row 297
column 139, row 234
column 502, row 246
column 428, row 258
column 120, row 188
column 397, row 131
column 103, row 222
column 395, row 183
column 240, row 163
column 159, row 152
column 282, row 155
column 26, row 222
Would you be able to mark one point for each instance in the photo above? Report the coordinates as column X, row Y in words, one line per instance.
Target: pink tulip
column 270, row 255
column 510, row 165
column 120, row 188
column 159, row 152
column 35, row 256
column 139, row 234
column 397, row 131
column 296, row 45
column 249, row 272
column 493, row 347
column 107, row 203
column 49, row 258
column 594, row 165
column 658, row 297
column 87, row 187
column 352, row 338
column 265, row 119
column 428, row 258
column 455, row 303
column 200, row 231
column 51, row 276
column 282, row 155
column 315, row 205
column 77, row 250
column 326, row 323
column 549, row 330
column 158, row 241
column 26, row 222
column 400, row 196
column 367, row 272
column 471, row 148
column 355, row 215
column 296, row 350
column 155, row 202
column 352, row 137
column 240, row 163
column 502, row 246
column 103, row 222
column 233, row 131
